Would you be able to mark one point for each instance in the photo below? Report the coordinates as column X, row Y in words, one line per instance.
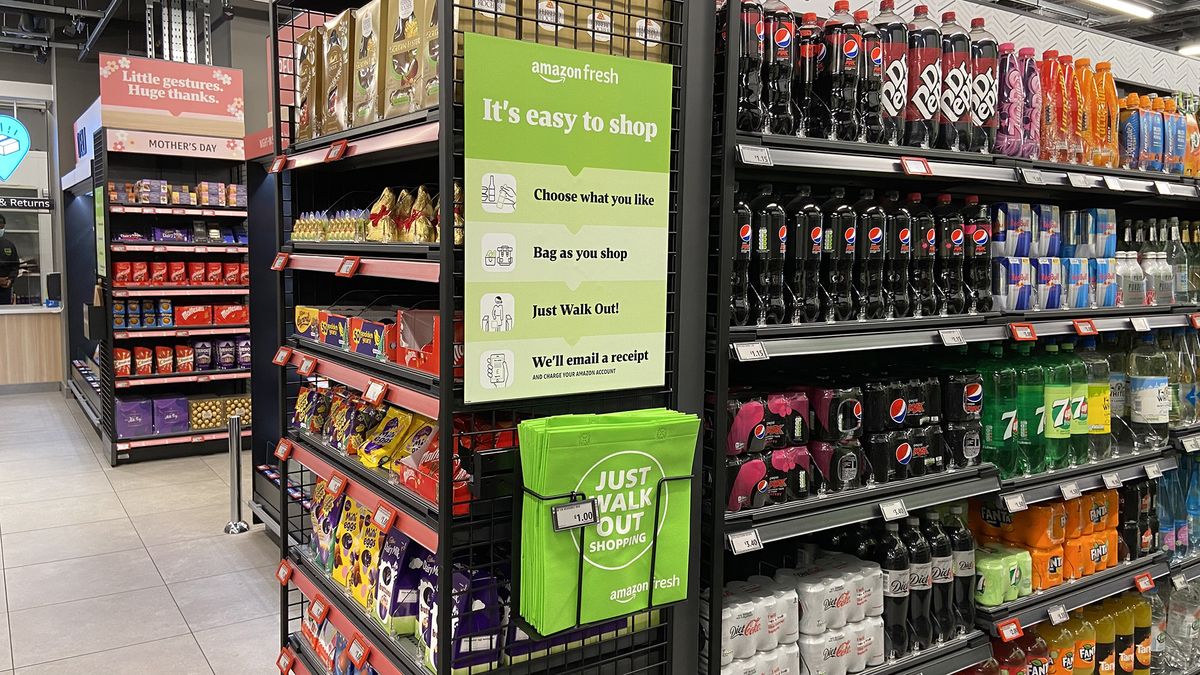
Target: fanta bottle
column 1037, row 652
column 1072, row 143
column 1009, row 657
column 1074, row 509
column 1061, row 641
column 1085, row 643
column 1122, row 613
column 1143, row 624
column 1076, row 552
column 1191, row 159
column 1108, row 117
column 1089, row 100
column 1106, row 638
column 1053, row 143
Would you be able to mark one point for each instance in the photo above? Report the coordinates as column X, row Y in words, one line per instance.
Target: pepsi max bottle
column 872, row 253
column 893, row 52
column 954, row 111
column 837, row 79
column 978, row 222
column 952, row 250
column 810, row 49
column 778, row 63
column 770, row 228
column 838, row 255
column 751, row 111
column 740, row 305
column 924, row 230
column 899, row 255
column 870, row 80
column 804, row 272
column 924, row 80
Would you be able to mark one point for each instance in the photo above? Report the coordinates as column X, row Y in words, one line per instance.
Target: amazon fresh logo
column 556, row 73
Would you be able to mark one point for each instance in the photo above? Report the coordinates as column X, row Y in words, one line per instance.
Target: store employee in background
column 9, row 265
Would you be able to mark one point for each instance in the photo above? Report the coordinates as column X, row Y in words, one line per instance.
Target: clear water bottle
column 1192, row 504
column 1183, row 376
column 1159, row 654
column 1177, row 258
column 1149, row 395
column 1164, row 279
column 1165, row 508
column 1117, row 354
column 1131, row 281
column 1180, row 632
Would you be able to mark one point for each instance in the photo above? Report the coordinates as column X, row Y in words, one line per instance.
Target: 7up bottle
column 1031, row 410
column 1000, row 416
column 1057, row 400
column 1079, row 404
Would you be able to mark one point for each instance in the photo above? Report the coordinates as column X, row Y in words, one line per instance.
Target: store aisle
column 123, row 569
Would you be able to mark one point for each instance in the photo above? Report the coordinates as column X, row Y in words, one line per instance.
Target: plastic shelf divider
column 398, row 393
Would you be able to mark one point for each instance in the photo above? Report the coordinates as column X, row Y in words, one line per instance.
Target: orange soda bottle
column 1085, row 642
column 1122, row 613
column 1072, row 100
column 1106, row 638
column 1108, row 118
column 1062, row 647
column 1053, row 88
column 1191, row 159
column 1143, row 623
column 1089, row 101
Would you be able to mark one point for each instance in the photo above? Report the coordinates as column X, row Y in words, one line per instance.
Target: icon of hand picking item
column 498, row 193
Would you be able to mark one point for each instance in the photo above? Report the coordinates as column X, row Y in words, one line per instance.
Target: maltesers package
column 309, row 59
column 402, row 74
column 368, row 55
column 338, row 43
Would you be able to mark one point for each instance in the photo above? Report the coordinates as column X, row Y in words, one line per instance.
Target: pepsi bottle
column 838, row 256
column 778, row 63
column 942, row 575
column 870, row 80
column 977, row 220
column 924, row 254
column 899, row 256
column 809, row 110
column 872, row 223
column 924, row 80
column 740, row 305
column 985, row 108
column 807, row 225
column 751, row 112
column 770, row 228
column 893, row 559
column 920, row 583
column 837, row 77
column 951, row 252
column 954, row 111
column 893, row 47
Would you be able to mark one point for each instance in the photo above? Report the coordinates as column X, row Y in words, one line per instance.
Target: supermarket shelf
column 388, row 655
column 384, row 368
column 404, row 137
column 783, row 521
column 176, row 378
column 178, row 332
column 176, row 248
column 415, row 517
column 352, row 375
column 843, row 328
column 858, row 337
column 171, row 291
column 1046, row 486
column 178, row 211
column 306, row 662
column 949, row 657
column 1188, row 568
column 426, row 251
column 388, row 268
column 1033, row 609
column 1186, row 439
column 181, row 438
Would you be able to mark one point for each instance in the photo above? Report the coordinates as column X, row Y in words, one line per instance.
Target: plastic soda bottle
column 1089, row 102
column 1061, row 642
column 1010, row 658
column 1108, row 120
column 1079, row 404
column 1085, row 643
column 1031, row 119
column 1143, row 622
column 1031, row 409
column 1072, row 101
column 1037, row 652
column 1057, row 404
column 1122, row 613
column 1106, row 638
column 1010, row 133
column 1099, row 393
column 1053, row 88
column 1000, row 431
column 1149, row 395
column 1191, row 158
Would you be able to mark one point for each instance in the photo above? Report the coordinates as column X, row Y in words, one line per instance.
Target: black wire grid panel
column 475, row 522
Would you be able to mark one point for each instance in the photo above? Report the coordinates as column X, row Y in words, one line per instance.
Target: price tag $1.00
column 574, row 515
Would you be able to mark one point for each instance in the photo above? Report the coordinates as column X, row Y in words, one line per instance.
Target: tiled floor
column 123, row 570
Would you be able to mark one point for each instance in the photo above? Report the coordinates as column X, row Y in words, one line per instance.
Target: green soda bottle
column 1031, row 409
column 1099, row 406
column 1079, row 404
column 1000, row 445
column 1057, row 401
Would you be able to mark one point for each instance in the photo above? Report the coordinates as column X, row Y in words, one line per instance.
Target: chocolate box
column 171, row 415
column 309, row 58
column 368, row 57
column 420, row 338
column 308, row 321
column 195, row 273
column 230, row 315
column 395, row 604
column 371, row 336
column 193, row 315
column 334, row 328
column 206, row 412
column 140, row 275
column 214, row 273
column 158, row 273
column 338, row 45
column 402, row 57
column 134, row 417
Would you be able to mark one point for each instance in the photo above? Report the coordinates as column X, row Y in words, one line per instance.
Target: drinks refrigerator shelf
column 1087, row 477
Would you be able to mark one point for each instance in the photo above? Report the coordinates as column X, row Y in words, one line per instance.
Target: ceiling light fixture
column 1190, row 50
column 1140, row 11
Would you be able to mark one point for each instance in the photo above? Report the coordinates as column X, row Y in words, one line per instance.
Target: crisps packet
column 382, row 225
column 383, row 442
column 460, row 233
column 423, row 230
column 302, row 415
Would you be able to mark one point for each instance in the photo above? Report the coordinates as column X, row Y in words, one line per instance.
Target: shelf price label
column 336, row 484
column 1179, row 581
column 307, row 365
column 1195, row 319
column 284, row 573
column 1162, row 187
column 1022, row 332
column 750, row 351
column 1153, row 471
column 755, row 155
column 279, row 164
column 1191, row 443
column 1015, row 503
column 1070, row 490
column 280, row 261
column 1143, row 582
column 1058, row 614
column 336, row 151
column 285, row 661
column 358, row 650
column 1079, row 180
column 374, row 392
column 952, row 337
column 283, row 449
column 574, row 515
column 893, row 510
column 384, row 516
column 915, row 166
column 1009, row 630
column 1114, row 183
column 1112, row 480
column 318, row 609
column 1085, row 327
column 1140, row 323
column 282, row 356
column 348, row 266
column 1031, row 176
column 745, row 541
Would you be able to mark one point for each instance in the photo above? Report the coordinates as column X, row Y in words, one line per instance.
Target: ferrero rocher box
column 368, row 54
column 555, row 22
column 308, row 69
column 490, row 17
column 603, row 27
column 402, row 56
column 338, row 42
column 646, row 30
column 430, row 53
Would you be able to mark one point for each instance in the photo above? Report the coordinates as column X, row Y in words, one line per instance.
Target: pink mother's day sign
column 153, row 95
column 159, row 143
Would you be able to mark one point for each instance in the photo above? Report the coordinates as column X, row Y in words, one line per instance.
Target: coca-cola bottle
column 951, row 252
column 770, row 229
column 872, row 223
column 954, row 113
column 837, row 80
column 778, row 63
column 838, row 255
column 962, row 542
column 924, row 80
column 978, row 222
column 893, row 559
column 893, row 44
column 920, row 583
column 924, row 254
column 750, row 109
column 899, row 260
column 985, row 108
column 809, row 109
column 870, row 80
column 942, row 603
column 740, row 305
column 808, row 232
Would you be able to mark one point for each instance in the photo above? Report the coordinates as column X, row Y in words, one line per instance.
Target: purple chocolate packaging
column 135, row 417
column 170, row 415
column 226, row 354
column 477, row 641
column 400, row 565
column 175, row 234
column 202, row 354
column 242, row 345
